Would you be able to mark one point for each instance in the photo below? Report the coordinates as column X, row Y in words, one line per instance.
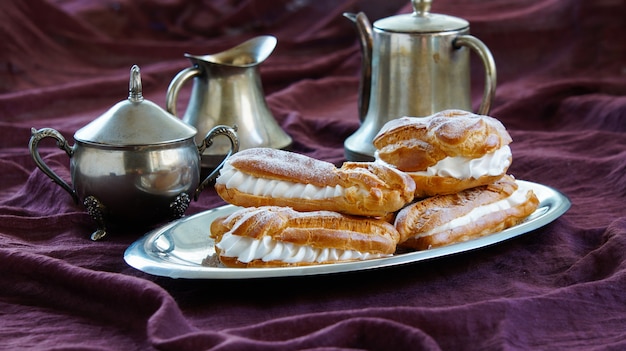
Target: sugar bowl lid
column 421, row 21
column 135, row 122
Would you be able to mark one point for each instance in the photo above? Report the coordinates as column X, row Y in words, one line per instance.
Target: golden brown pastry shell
column 425, row 215
column 426, row 186
column 370, row 189
column 414, row 144
column 318, row 229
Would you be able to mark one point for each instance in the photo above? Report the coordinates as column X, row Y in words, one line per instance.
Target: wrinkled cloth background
column 561, row 93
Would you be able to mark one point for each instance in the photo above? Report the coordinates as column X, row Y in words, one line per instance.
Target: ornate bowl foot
column 96, row 210
column 179, row 205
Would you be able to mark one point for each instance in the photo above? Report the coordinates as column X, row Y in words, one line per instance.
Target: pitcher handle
column 490, row 69
column 229, row 132
column 174, row 87
column 33, row 146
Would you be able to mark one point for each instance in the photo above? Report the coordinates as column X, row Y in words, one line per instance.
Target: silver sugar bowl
column 136, row 164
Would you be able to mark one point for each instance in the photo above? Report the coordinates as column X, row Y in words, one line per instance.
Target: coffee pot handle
column 231, row 134
column 175, row 85
column 33, row 146
column 490, row 68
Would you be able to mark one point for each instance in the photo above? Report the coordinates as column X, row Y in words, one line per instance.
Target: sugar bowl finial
column 421, row 7
column 134, row 86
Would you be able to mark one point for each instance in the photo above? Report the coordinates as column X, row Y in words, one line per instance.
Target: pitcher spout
column 366, row 39
column 247, row 54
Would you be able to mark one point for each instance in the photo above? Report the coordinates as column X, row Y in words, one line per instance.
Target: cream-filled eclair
column 445, row 219
column 446, row 152
column 272, row 236
column 270, row 177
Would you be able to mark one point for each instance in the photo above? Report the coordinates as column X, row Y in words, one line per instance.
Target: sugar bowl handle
column 490, row 68
column 231, row 134
column 33, row 146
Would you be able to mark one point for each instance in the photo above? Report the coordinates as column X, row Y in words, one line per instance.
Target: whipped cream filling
column 232, row 178
column 518, row 197
column 460, row 167
column 267, row 249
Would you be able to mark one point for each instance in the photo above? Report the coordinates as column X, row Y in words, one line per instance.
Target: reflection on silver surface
column 183, row 249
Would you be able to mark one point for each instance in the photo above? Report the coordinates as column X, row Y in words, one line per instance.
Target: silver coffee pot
column 136, row 164
column 414, row 65
column 227, row 90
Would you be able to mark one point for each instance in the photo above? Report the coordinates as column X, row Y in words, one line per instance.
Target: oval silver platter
column 183, row 248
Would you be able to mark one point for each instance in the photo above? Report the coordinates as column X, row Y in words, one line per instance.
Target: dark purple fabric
column 561, row 93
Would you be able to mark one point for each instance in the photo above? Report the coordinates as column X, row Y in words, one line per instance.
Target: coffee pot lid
column 135, row 121
column 421, row 21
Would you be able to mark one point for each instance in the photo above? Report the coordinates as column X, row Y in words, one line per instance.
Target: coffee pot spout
column 366, row 39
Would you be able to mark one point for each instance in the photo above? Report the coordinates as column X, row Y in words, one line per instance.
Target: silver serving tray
column 183, row 248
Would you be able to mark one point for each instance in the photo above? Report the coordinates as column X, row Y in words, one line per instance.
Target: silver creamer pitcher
column 414, row 65
column 227, row 90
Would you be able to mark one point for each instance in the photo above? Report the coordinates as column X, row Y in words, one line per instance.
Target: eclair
column 273, row 236
column 269, row 177
column 446, row 152
column 446, row 219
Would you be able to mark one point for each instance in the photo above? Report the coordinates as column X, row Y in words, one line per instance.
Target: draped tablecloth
column 561, row 93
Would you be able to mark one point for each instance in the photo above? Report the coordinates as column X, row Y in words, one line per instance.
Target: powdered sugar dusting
column 280, row 164
column 233, row 178
column 456, row 132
